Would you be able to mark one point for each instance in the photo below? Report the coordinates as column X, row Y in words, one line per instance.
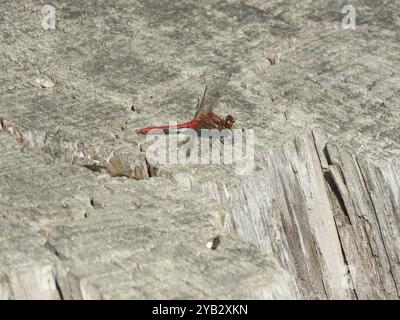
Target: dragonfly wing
column 210, row 97
column 201, row 105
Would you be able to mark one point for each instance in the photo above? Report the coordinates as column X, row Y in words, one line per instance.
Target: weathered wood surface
column 323, row 200
column 68, row 233
column 366, row 200
column 334, row 227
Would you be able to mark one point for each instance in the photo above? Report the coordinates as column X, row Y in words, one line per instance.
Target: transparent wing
column 210, row 97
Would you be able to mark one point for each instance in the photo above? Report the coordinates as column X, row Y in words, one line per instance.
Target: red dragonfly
column 205, row 118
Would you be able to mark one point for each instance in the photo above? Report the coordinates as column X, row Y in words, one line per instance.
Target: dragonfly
column 204, row 118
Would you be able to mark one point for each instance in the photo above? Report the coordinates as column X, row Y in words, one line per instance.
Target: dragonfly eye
column 229, row 122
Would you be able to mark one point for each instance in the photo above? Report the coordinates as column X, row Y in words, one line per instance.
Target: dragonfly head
column 229, row 121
